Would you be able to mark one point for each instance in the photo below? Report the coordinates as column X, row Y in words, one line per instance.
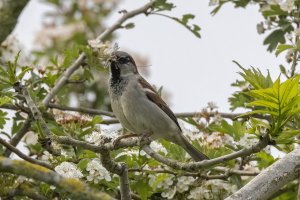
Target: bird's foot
column 116, row 141
column 144, row 140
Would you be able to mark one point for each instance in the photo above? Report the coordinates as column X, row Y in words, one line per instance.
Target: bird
column 140, row 109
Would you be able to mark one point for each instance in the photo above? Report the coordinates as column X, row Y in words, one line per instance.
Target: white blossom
column 47, row 156
column 212, row 188
column 166, row 183
column 287, row 5
column 97, row 172
column 31, row 138
column 217, row 140
column 128, row 153
column 156, row 147
column 213, row 2
column 297, row 32
column 68, row 170
column 169, row 194
column 184, row 182
column 273, row 2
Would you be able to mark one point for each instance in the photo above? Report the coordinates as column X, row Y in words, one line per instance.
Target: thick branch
column 66, row 75
column 23, row 189
column 18, row 136
column 76, row 188
column 25, row 157
column 269, row 181
column 9, row 13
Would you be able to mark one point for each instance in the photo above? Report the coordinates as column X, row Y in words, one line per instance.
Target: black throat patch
column 116, row 82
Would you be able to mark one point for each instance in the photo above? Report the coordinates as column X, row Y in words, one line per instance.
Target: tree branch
column 269, row 181
column 18, row 136
column 81, row 110
column 75, row 188
column 264, row 141
column 195, row 166
column 227, row 173
column 66, row 75
column 23, row 156
column 120, row 169
column 22, row 189
column 45, row 133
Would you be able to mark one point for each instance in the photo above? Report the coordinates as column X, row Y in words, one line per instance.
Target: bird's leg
column 145, row 139
column 118, row 139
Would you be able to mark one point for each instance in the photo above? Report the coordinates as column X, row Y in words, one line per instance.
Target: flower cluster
column 68, row 170
column 211, row 189
column 97, row 172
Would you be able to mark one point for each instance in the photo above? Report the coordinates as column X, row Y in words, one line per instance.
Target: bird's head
column 122, row 64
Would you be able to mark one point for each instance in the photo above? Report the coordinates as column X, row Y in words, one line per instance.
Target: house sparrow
column 139, row 108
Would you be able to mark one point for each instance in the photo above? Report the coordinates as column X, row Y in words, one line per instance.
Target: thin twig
column 66, row 75
column 23, row 156
column 119, row 169
column 264, row 141
column 227, row 173
column 81, row 110
column 18, row 136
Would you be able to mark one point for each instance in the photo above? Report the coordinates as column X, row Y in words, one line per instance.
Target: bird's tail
column 190, row 149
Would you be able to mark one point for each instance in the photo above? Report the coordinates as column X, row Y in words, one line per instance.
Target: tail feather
column 192, row 151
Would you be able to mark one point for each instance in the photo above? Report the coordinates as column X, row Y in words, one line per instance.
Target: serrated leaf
column 287, row 136
column 283, row 47
column 274, row 39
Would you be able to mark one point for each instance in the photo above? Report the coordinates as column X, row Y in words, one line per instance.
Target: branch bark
column 119, row 169
column 45, row 133
column 76, row 188
column 269, row 181
column 18, row 136
column 23, row 156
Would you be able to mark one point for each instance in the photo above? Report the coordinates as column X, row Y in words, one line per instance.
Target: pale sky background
column 194, row 71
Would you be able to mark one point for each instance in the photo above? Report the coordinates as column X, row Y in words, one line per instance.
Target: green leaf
column 184, row 21
column 3, row 119
column 283, row 47
column 163, row 5
column 255, row 77
column 129, row 26
column 4, row 100
column 23, row 72
column 275, row 11
column 287, row 136
column 264, row 103
column 274, row 39
column 83, row 163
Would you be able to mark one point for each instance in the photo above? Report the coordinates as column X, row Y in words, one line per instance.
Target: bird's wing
column 156, row 99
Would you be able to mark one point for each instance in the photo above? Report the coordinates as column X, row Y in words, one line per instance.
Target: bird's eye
column 123, row 60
